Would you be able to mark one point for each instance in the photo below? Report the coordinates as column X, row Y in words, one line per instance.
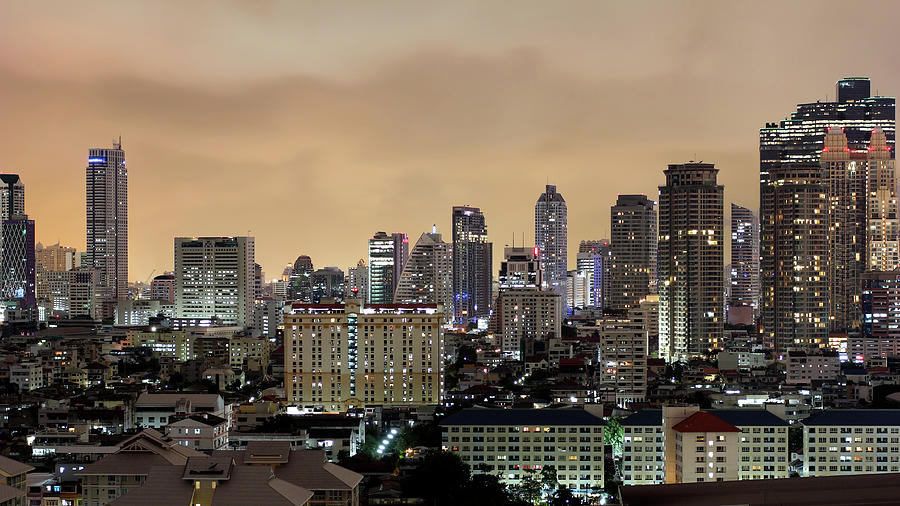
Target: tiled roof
column 10, row 467
column 702, row 421
column 644, row 417
column 749, row 417
column 854, row 417
column 522, row 417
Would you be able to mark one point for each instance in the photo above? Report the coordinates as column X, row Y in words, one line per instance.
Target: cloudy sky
column 313, row 125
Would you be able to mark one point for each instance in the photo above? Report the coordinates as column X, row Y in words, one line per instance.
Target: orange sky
column 314, row 125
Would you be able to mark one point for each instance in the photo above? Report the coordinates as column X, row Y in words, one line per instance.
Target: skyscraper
column 387, row 257
column 795, row 251
column 881, row 206
column 472, row 257
column 300, row 279
column 107, row 223
column 427, row 277
column 691, row 245
column 18, row 263
column 801, row 138
column 12, row 185
column 214, row 278
column 845, row 174
column 550, row 238
column 634, row 243
column 744, row 260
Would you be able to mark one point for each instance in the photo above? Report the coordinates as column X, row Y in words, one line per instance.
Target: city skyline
column 183, row 125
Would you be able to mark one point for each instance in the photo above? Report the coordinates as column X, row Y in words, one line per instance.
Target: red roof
column 702, row 421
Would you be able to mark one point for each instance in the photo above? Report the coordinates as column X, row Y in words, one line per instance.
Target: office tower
column 520, row 268
column 214, row 278
column 800, row 138
column 268, row 315
column 387, row 257
column 299, row 278
column 55, row 258
column 427, row 277
column 845, row 175
column 596, row 258
column 12, row 185
column 881, row 206
column 472, row 260
column 357, row 286
column 550, row 236
column 744, row 275
column 794, row 257
column 107, row 223
column 370, row 354
column 525, row 315
column 162, row 288
column 328, row 285
column 18, row 263
column 578, row 290
column 691, row 241
column 633, row 232
column 880, row 336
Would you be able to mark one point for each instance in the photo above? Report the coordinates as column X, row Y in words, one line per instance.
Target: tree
column 613, row 436
column 795, row 439
column 441, row 480
column 535, row 484
column 564, row 497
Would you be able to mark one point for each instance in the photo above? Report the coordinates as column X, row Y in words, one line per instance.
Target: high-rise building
column 880, row 336
column 328, row 285
column 551, row 236
column 623, row 358
column 881, row 206
column 107, row 223
column 691, row 285
column 214, row 278
column 472, row 264
column 578, row 290
column 744, row 275
column 357, row 359
column 55, row 258
column 427, row 277
column 300, row 282
column 525, row 315
column 12, row 185
column 794, row 257
column 71, row 293
column 595, row 257
column 387, row 257
column 845, row 175
column 357, row 285
column 18, row 263
column 801, row 138
column 162, row 288
column 634, row 243
column 520, row 268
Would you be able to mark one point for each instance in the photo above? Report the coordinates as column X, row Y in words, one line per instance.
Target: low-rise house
column 204, row 432
column 13, row 482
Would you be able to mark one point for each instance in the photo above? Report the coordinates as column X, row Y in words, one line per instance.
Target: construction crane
column 147, row 282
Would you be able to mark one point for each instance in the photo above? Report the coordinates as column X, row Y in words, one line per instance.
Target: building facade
column 883, row 249
column 691, row 291
column 794, row 312
column 634, row 248
column 525, row 315
column 338, row 356
column 472, row 266
column 214, row 278
column 551, row 236
column 512, row 442
column 744, row 258
column 851, row 441
column 387, row 257
column 427, row 277
column 327, row 285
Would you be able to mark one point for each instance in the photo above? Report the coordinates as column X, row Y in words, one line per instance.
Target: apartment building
column 623, row 358
column 803, row 368
column 204, row 432
column 852, row 441
column 643, row 459
column 513, row 442
column 338, row 356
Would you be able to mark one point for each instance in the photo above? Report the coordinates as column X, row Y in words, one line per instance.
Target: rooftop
column 644, row 417
column 702, row 421
column 854, row 417
column 537, row 417
column 749, row 417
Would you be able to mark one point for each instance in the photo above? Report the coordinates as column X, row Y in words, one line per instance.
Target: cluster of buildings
column 212, row 383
